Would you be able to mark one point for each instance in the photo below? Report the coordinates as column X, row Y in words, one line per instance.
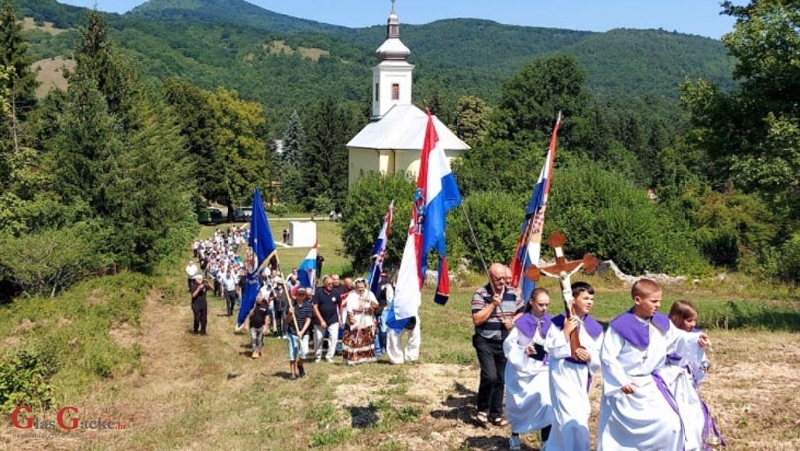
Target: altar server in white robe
column 527, row 398
column 571, row 377
column 638, row 412
column 683, row 374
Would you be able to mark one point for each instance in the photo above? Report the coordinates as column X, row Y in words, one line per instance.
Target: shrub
column 25, row 379
column 602, row 213
column 278, row 211
column 790, row 259
column 363, row 215
column 50, row 261
column 495, row 218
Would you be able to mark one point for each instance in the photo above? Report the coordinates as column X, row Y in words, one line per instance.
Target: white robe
column 682, row 377
column 394, row 344
column 569, row 391
column 643, row 420
column 527, row 397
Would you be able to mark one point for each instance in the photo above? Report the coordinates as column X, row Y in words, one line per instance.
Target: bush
column 50, row 261
column 278, row 211
column 495, row 218
column 790, row 259
column 363, row 215
column 602, row 213
column 25, row 379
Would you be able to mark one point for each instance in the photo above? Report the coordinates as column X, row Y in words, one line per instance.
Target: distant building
column 392, row 141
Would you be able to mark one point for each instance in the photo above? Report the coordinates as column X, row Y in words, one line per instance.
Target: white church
column 392, row 141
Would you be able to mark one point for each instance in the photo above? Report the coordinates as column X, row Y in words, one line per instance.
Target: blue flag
column 263, row 249
column 379, row 252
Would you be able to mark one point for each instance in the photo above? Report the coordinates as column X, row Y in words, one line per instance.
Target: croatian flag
column 307, row 271
column 436, row 194
column 263, row 249
column 529, row 245
column 379, row 252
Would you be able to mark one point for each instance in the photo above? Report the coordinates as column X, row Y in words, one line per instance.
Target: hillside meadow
column 121, row 350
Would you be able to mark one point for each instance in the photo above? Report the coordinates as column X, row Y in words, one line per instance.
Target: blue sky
column 700, row 17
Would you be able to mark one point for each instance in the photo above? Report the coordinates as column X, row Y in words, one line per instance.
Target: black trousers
column 230, row 300
column 200, row 319
column 493, row 366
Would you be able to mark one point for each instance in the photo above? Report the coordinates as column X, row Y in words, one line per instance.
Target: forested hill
column 286, row 62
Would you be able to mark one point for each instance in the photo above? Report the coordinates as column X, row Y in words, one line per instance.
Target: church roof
column 403, row 128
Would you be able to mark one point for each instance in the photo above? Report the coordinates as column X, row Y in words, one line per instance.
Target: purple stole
column 638, row 334
column 634, row 331
column 593, row 328
column 527, row 324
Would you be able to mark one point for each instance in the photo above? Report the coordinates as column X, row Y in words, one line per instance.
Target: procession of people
column 536, row 369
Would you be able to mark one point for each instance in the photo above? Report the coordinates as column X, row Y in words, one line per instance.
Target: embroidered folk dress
column 527, row 395
column 358, row 343
column 648, row 419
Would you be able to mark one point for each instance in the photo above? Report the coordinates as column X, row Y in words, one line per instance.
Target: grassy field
column 127, row 356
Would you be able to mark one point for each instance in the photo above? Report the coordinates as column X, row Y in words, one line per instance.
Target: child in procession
column 527, row 398
column 571, row 375
column 683, row 375
column 299, row 321
column 637, row 409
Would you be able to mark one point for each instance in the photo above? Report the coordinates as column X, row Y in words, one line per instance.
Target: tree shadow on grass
column 494, row 442
column 459, row 406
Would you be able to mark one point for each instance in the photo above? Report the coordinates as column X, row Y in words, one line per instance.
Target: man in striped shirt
column 493, row 309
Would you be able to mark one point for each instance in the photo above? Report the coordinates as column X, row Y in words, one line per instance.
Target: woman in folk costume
column 571, row 372
column 638, row 412
column 683, row 374
column 527, row 398
column 358, row 344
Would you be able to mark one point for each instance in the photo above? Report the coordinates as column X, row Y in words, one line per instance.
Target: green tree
column 294, row 141
column 752, row 131
column 363, row 213
column 226, row 139
column 198, row 126
column 532, row 97
column 21, row 81
column 330, row 126
column 116, row 147
column 472, row 119
column 241, row 139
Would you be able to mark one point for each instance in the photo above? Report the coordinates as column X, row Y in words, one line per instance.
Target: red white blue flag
column 436, row 194
column 529, row 245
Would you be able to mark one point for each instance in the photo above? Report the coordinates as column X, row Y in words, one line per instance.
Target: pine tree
column 21, row 82
column 294, row 140
column 331, row 126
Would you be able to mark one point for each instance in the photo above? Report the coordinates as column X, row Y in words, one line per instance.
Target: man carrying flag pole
column 436, row 194
column 262, row 252
column 529, row 246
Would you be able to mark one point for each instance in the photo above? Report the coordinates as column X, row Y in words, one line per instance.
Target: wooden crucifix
column 563, row 271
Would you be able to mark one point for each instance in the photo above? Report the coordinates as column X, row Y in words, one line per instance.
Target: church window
column 377, row 91
column 395, row 91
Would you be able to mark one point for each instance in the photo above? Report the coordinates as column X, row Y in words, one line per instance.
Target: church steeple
column 392, row 76
column 393, row 25
column 392, row 48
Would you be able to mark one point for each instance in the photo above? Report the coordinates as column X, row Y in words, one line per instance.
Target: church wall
column 361, row 160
